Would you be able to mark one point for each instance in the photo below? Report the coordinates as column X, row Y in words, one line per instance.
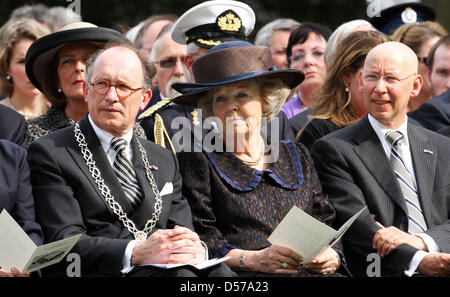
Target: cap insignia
column 409, row 15
column 229, row 21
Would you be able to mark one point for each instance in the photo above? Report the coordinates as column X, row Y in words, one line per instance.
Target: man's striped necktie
column 125, row 172
column 416, row 220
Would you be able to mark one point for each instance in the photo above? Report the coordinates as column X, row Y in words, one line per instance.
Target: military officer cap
column 388, row 15
column 214, row 22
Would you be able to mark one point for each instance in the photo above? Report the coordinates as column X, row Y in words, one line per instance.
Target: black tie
column 125, row 172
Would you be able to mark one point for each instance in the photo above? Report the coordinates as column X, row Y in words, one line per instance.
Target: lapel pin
column 428, row 152
column 153, row 167
column 195, row 118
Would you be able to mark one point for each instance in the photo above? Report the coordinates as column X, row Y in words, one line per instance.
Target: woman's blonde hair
column 333, row 103
column 11, row 33
column 273, row 94
column 415, row 35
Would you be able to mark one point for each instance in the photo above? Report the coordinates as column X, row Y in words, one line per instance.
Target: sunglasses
column 169, row 62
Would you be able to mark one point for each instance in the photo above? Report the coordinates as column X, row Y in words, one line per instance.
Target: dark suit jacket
column 13, row 126
column 355, row 172
column 445, row 131
column 15, row 189
column 68, row 201
column 434, row 114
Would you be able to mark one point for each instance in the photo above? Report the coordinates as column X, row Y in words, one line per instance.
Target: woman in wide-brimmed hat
column 56, row 65
column 240, row 191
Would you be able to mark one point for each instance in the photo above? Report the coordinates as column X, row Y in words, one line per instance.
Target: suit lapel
column 424, row 156
column 371, row 153
column 102, row 163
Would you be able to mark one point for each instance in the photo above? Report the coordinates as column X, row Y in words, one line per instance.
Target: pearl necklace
column 29, row 115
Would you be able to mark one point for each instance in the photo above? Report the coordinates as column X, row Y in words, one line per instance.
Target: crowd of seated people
column 182, row 140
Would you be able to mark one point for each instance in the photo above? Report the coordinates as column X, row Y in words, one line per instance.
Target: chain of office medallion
column 117, row 209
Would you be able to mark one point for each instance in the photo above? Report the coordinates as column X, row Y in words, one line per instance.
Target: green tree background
column 120, row 14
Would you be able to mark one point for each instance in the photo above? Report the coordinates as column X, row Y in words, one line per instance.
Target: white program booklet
column 306, row 235
column 19, row 251
column 203, row 265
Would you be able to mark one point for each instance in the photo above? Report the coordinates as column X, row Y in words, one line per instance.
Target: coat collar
column 243, row 178
column 424, row 155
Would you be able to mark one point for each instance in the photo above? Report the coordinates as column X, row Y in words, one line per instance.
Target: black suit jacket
column 13, row 126
column 434, row 114
column 355, row 172
column 445, row 131
column 15, row 189
column 68, row 201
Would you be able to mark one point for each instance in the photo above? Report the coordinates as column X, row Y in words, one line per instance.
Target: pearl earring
column 59, row 90
column 347, row 91
column 8, row 78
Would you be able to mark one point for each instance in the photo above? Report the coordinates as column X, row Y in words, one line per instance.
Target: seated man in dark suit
column 13, row 126
column 122, row 193
column 399, row 170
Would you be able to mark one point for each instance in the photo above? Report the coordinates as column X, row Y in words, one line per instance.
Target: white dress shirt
column 381, row 132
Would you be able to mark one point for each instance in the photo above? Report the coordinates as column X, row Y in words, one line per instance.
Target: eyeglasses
column 299, row 57
column 423, row 60
column 169, row 62
column 122, row 90
column 389, row 80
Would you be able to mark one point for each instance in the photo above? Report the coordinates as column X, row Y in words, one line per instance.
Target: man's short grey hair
column 192, row 48
column 61, row 16
column 264, row 35
column 148, row 69
column 164, row 31
column 339, row 34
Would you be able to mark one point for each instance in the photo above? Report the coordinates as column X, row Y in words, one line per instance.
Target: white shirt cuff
column 206, row 250
column 126, row 262
column 431, row 244
column 415, row 263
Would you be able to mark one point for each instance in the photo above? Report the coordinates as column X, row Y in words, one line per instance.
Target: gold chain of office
column 117, row 209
